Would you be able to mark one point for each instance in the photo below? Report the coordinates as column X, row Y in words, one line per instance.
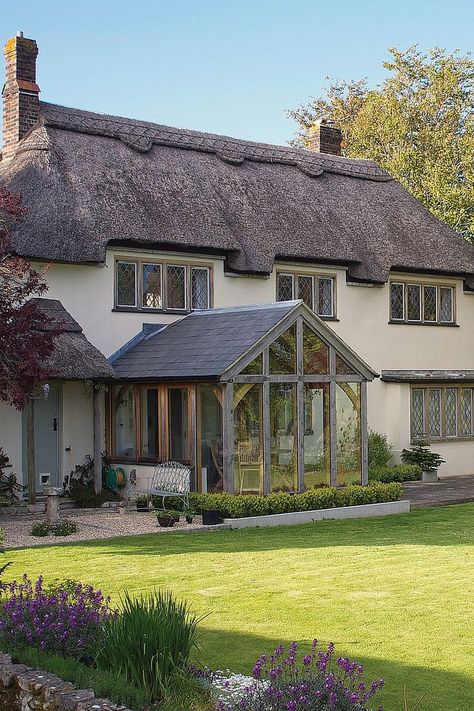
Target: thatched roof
column 74, row 357
column 91, row 180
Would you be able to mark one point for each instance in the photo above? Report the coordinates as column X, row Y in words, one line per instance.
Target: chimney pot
column 325, row 137
column 20, row 92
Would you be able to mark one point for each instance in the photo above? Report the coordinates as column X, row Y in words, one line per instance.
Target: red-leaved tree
column 26, row 339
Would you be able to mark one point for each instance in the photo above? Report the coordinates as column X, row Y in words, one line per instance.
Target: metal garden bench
column 171, row 479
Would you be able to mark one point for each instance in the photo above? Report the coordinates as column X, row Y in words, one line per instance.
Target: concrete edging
column 340, row 512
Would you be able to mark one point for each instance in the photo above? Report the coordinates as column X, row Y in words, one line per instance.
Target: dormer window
column 161, row 286
column 429, row 304
column 315, row 290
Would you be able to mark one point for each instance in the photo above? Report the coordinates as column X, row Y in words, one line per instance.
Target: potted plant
column 428, row 461
column 189, row 514
column 210, row 516
column 143, row 502
column 166, row 519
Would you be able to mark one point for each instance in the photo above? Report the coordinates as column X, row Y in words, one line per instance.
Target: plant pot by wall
column 166, row 521
column 142, row 506
column 429, row 476
column 189, row 519
column 210, row 517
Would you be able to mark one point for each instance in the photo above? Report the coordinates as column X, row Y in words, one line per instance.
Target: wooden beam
column 364, row 434
column 30, row 449
column 228, row 434
column 332, row 418
column 96, row 398
column 300, row 433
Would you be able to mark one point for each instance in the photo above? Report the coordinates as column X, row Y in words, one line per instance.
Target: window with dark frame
column 442, row 412
column 421, row 303
column 317, row 292
column 162, row 286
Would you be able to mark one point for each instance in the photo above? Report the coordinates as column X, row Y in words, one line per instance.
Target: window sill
column 139, row 310
column 423, row 323
column 328, row 318
column 443, row 440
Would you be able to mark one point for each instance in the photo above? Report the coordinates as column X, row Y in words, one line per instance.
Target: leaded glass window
column 397, row 311
column 151, row 286
column 429, row 303
column 465, row 412
column 305, row 289
column 199, row 288
column 175, row 287
column 325, row 296
column 126, row 285
column 446, row 304
column 417, row 414
column 450, row 411
column 413, row 302
column 285, row 287
column 434, row 413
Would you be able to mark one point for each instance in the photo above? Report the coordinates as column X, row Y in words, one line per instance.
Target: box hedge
column 235, row 506
column 399, row 472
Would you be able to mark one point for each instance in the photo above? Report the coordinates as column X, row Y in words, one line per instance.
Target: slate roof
column 201, row 345
column 74, row 357
column 91, row 180
column 427, row 376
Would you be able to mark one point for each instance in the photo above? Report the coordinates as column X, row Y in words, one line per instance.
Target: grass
column 395, row 593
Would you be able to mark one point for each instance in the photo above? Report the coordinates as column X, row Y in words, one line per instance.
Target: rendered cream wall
column 87, row 292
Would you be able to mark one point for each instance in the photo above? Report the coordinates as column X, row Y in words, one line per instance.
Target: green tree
column 418, row 125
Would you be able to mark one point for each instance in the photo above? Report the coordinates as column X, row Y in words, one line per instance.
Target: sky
column 232, row 67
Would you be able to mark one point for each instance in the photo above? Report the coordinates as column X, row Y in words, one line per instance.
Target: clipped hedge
column 399, row 472
column 234, row 506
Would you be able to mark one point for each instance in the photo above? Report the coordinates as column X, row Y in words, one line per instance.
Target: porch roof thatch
column 74, row 357
column 205, row 344
column 91, row 180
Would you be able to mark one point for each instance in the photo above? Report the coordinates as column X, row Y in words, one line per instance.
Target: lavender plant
column 317, row 682
column 64, row 618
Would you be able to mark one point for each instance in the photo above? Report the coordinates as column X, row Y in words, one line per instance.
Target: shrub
column 421, row 455
column 399, row 472
column 10, row 490
column 380, row 450
column 64, row 618
column 233, row 506
column 40, row 529
column 149, row 642
column 84, row 495
column 315, row 682
column 63, row 528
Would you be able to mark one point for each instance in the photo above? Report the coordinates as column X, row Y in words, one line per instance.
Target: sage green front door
column 47, row 439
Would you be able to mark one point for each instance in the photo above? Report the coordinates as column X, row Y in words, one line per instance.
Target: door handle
column 55, row 424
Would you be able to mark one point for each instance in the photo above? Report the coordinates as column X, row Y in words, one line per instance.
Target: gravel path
column 92, row 525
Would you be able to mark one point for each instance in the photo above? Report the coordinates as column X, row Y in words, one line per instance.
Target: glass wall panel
column 282, row 353
column 248, row 439
column 210, row 437
column 317, row 463
column 342, row 368
column 315, row 353
column 255, row 367
column 178, row 425
column 283, row 437
column 124, row 421
column 348, row 445
column 149, row 422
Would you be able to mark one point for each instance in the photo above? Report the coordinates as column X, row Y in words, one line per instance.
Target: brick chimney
column 20, row 92
column 325, row 137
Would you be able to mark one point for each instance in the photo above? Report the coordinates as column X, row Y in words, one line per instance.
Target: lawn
column 395, row 593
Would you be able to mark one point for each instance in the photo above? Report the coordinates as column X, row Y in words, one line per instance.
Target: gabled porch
column 255, row 399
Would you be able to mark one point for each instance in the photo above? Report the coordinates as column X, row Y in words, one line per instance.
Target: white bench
column 170, row 479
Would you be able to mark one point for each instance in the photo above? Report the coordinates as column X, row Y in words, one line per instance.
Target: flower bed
column 233, row 506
